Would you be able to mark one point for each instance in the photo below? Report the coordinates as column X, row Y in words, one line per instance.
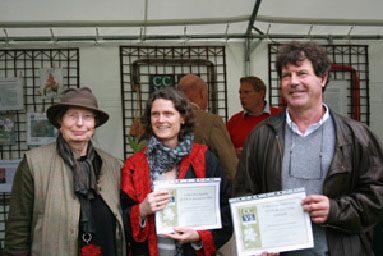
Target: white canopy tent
column 98, row 28
column 144, row 20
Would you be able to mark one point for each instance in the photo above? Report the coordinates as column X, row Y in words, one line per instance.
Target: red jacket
column 135, row 182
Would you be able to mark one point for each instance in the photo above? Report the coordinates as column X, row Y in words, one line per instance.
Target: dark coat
column 354, row 183
column 135, row 185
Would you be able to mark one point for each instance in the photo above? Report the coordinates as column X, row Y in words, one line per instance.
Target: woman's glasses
column 74, row 117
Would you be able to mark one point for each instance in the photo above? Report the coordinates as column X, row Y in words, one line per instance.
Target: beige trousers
column 228, row 249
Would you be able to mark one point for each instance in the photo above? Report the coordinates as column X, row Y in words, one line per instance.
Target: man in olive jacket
column 339, row 161
column 210, row 129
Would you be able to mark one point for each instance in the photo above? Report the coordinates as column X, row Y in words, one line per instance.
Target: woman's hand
column 184, row 235
column 155, row 201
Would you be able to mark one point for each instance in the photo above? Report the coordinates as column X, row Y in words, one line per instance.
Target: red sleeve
column 208, row 243
column 135, row 166
column 139, row 234
column 128, row 185
column 126, row 178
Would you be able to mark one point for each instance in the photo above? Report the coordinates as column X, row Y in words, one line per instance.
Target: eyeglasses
column 73, row 117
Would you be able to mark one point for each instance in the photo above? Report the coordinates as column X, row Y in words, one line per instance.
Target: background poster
column 7, row 129
column 11, row 93
column 336, row 96
column 40, row 130
column 7, row 172
column 51, row 83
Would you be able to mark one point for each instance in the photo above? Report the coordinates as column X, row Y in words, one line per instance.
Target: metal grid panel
column 350, row 63
column 26, row 64
column 139, row 63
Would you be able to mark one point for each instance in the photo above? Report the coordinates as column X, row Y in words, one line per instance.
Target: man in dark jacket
column 338, row 160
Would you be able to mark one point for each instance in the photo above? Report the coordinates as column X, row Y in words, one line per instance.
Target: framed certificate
column 271, row 222
column 194, row 203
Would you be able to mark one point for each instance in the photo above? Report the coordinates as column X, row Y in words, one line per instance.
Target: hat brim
column 52, row 112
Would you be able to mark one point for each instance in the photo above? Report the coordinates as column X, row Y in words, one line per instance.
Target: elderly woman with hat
column 65, row 196
column 170, row 154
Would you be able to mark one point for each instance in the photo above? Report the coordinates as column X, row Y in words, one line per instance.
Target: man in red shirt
column 255, row 109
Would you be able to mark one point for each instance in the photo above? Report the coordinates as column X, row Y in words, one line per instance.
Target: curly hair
column 181, row 104
column 294, row 52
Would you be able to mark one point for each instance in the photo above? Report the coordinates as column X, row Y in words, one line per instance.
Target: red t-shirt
column 240, row 125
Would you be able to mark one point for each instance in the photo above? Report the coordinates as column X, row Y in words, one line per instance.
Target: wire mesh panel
column 147, row 68
column 28, row 65
column 347, row 91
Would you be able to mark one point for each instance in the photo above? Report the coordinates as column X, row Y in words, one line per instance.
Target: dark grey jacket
column 354, row 183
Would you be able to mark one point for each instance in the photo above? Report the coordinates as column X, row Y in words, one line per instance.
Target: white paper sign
column 11, row 93
column 335, row 96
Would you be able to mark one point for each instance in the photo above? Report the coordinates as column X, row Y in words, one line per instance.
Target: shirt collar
column 266, row 110
column 193, row 104
column 312, row 127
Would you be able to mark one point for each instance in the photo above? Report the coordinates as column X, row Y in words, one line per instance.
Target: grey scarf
column 84, row 180
column 162, row 158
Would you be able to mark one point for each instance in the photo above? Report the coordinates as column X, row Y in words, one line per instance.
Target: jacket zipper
column 281, row 156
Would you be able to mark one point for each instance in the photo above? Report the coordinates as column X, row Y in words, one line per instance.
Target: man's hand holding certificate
column 271, row 222
column 194, row 203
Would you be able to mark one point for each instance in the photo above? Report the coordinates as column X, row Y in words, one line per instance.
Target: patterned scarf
column 162, row 158
column 84, row 180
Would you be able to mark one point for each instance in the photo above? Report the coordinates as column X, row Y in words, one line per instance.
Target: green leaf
column 135, row 145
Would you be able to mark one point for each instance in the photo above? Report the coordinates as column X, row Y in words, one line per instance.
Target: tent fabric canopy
column 43, row 20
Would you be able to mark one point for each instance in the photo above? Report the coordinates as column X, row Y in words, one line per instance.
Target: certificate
column 194, row 203
column 271, row 222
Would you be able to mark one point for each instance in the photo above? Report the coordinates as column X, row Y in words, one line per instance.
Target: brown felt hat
column 77, row 97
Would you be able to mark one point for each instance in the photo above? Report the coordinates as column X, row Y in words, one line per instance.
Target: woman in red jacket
column 170, row 154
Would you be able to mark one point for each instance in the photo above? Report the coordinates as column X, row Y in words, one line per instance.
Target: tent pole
column 248, row 36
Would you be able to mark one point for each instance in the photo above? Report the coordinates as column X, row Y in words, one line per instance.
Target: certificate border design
column 262, row 200
column 188, row 184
